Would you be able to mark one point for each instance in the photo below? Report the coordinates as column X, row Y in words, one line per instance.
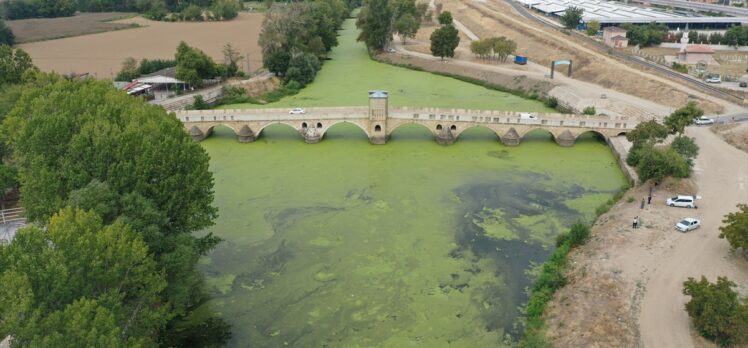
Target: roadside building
column 693, row 54
column 615, row 37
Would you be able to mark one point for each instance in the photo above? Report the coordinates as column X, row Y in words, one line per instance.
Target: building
column 615, row 37
column 692, row 54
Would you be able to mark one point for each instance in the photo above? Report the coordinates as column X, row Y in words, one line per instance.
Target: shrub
column 551, row 102
column 192, row 13
column 660, row 163
column 681, row 68
column 578, row 235
column 225, row 9
column 590, row 110
column 735, row 229
column 200, row 103
column 716, row 311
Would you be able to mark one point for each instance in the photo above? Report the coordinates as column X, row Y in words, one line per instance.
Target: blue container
column 521, row 60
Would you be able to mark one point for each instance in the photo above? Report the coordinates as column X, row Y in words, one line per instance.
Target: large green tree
column 68, row 136
column 375, row 24
column 6, row 35
column 444, row 41
column 683, row 117
column 572, row 16
column 80, row 283
column 13, row 64
column 735, row 228
column 193, row 65
column 716, row 310
column 407, row 26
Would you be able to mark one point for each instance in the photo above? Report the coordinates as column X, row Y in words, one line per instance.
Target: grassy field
column 350, row 74
column 40, row 29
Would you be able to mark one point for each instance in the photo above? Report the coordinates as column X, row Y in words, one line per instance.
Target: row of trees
column 132, row 69
column 116, row 189
column 295, row 38
column 380, row 19
column 493, row 48
column 157, row 9
column 219, row 10
column 735, row 36
column 651, row 34
column 657, row 162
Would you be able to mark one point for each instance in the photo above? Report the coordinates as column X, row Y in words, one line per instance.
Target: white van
column 682, row 201
column 527, row 116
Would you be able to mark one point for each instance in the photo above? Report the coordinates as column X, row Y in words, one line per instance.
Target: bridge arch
column 325, row 129
column 457, row 133
column 522, row 133
column 261, row 128
column 596, row 133
column 428, row 127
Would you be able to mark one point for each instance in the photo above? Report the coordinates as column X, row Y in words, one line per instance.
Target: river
column 347, row 244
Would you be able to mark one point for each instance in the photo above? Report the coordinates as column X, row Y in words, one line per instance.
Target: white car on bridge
column 297, row 111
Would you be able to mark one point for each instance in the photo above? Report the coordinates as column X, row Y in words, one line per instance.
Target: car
column 297, row 111
column 743, row 84
column 713, row 79
column 688, row 224
column 703, row 120
column 527, row 116
column 392, row 50
column 682, row 201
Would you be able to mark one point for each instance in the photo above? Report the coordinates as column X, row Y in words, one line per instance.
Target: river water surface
column 408, row 244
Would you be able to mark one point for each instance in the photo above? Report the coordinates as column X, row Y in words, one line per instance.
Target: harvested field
column 495, row 18
column 102, row 54
column 40, row 29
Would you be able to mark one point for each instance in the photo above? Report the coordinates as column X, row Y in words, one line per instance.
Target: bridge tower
column 378, row 111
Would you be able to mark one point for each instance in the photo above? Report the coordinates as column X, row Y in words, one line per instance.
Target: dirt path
column 663, row 321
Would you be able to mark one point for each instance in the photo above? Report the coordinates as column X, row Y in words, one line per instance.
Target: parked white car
column 297, row 111
column 527, row 116
column 682, row 201
column 703, row 120
column 688, row 224
column 713, row 79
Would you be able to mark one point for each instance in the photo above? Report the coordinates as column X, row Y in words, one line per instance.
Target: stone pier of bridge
column 378, row 121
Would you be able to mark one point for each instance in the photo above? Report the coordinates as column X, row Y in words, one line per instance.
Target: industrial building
column 610, row 13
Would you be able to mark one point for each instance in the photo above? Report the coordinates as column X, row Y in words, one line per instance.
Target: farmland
column 102, row 54
column 40, row 29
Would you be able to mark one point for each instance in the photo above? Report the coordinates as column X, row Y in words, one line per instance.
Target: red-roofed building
column 615, row 37
column 692, row 54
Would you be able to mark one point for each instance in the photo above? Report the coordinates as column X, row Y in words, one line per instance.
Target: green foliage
column 716, row 311
column 681, row 68
column 276, row 61
column 551, row 102
column 13, row 64
column 444, row 41
column 199, row 103
column 67, row 137
column 572, row 16
column 650, row 131
column 407, row 26
column 225, row 9
column 302, row 69
column 148, row 66
column 590, row 110
column 502, row 47
column 445, row 18
column 81, row 283
column 8, row 178
column 693, row 36
column 374, row 23
column 129, row 70
column 645, row 35
column 679, row 119
column 193, row 65
column 735, row 228
column 20, row 9
column 657, row 164
column 686, row 147
column 192, row 13
column 6, row 35
column 736, row 36
column 593, row 27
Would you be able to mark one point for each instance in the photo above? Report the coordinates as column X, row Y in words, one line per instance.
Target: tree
column 160, row 179
column 646, row 35
column 277, row 61
column 444, row 41
column 445, row 18
column 481, row 48
column 13, row 64
column 6, row 35
column 650, row 131
column 80, row 283
column 660, row 163
column 593, row 27
column 407, row 26
column 225, row 9
column 685, row 147
column 590, row 110
column 374, row 23
column 129, row 71
column 302, row 69
column 192, row 13
column 572, row 16
column 679, row 119
column 735, row 228
column 193, row 65
column 199, row 103
column 716, row 310
column 502, row 47
column 693, row 36
column 716, row 38
column 232, row 58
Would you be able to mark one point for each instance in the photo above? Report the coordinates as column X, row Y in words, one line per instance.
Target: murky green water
column 410, row 244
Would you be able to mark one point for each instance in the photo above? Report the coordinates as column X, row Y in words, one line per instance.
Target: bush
column 660, row 163
column 578, row 235
column 551, row 102
column 225, row 9
column 192, row 13
column 681, row 68
column 200, row 103
column 6, row 35
column 590, row 110
column 716, row 311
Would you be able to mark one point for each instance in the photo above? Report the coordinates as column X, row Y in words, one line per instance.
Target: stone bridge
column 378, row 121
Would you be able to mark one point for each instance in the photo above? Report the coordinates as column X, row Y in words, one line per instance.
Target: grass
column 351, row 73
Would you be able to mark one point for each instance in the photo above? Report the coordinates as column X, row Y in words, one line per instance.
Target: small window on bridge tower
column 377, row 128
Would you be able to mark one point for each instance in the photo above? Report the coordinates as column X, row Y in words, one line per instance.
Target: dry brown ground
column 730, row 63
column 38, row 29
column 102, row 54
column 495, row 18
column 735, row 134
